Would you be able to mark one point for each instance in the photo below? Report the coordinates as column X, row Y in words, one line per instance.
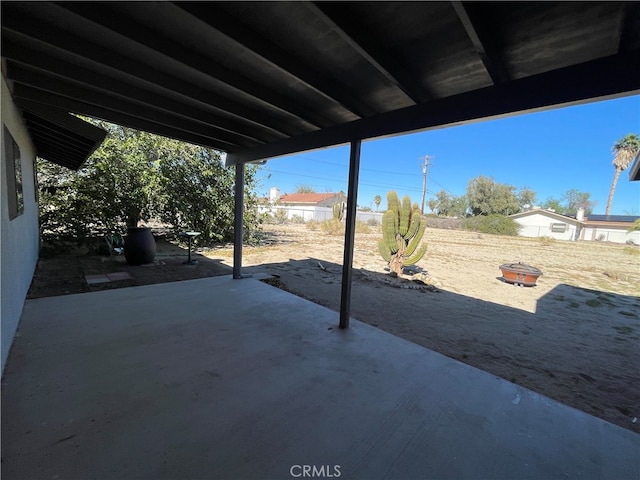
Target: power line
column 391, row 186
column 387, row 172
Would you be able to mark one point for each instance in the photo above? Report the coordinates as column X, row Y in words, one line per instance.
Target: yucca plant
column 403, row 226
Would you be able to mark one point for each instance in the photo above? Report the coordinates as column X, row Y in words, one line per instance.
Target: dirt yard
column 574, row 337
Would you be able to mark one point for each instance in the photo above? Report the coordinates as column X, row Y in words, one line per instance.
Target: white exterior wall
column 319, row 214
column 538, row 225
column 19, row 238
column 616, row 235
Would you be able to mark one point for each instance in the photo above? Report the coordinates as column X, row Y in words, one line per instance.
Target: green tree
column 448, row 205
column 526, row 196
column 635, row 227
column 487, row 197
column 624, row 151
column 198, row 192
column 576, row 199
column 554, row 204
column 377, row 200
column 135, row 175
column 117, row 186
column 305, row 189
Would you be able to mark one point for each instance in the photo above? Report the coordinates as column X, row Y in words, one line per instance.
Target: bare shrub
column 546, row 240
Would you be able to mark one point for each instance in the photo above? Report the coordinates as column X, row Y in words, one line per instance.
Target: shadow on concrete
column 66, row 273
column 579, row 346
column 223, row 378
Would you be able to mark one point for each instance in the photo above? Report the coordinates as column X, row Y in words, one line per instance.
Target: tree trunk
column 396, row 265
column 612, row 190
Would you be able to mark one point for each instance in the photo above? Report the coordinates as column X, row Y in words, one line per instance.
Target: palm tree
column 377, row 199
column 624, row 151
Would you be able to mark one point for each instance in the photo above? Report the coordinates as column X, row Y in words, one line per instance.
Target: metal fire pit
column 520, row 274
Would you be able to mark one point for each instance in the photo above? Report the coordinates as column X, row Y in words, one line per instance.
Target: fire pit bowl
column 520, row 274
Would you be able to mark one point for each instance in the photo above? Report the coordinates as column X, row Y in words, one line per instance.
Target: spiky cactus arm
column 405, row 216
column 384, row 250
column 417, row 256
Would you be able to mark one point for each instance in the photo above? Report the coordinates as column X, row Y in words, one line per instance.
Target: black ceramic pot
column 139, row 246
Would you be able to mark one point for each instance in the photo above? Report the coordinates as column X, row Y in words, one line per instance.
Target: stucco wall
column 19, row 238
column 617, row 235
column 538, row 225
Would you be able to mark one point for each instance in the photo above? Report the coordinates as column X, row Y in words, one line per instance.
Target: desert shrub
column 332, row 227
column 362, row 227
column 279, row 217
column 631, row 250
column 312, row 225
column 493, row 224
column 433, row 221
column 372, row 222
column 546, row 240
column 297, row 219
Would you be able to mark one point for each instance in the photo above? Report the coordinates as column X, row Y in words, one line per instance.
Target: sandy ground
column 574, row 337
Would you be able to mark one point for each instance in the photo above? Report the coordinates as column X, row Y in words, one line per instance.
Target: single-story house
column 546, row 223
column 305, row 206
column 610, row 228
column 327, row 199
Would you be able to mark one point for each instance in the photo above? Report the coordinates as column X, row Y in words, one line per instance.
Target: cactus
column 338, row 211
column 403, row 226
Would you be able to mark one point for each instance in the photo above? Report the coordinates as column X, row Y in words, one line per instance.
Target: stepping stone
column 93, row 279
column 107, row 277
column 118, row 276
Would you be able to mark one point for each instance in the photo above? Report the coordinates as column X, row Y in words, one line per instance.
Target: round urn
column 139, row 246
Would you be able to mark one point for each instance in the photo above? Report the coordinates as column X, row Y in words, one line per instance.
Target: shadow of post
column 579, row 346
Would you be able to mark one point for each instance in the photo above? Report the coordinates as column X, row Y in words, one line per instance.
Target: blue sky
column 550, row 152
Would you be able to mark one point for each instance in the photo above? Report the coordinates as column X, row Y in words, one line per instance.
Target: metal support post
column 238, row 221
column 350, row 230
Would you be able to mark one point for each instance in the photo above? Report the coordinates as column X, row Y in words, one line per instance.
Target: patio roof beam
column 25, row 96
column 93, row 80
column 277, row 57
column 69, row 89
column 349, row 234
column 378, row 55
column 483, row 44
column 562, row 87
column 64, row 43
column 104, row 15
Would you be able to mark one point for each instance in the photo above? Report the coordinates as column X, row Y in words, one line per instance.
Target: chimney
column 580, row 215
column 274, row 194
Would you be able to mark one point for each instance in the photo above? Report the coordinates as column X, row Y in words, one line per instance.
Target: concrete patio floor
column 234, row 379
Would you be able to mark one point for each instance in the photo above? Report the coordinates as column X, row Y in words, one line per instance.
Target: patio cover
column 264, row 79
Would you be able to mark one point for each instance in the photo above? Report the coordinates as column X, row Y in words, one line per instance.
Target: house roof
column 311, row 198
column 590, row 220
column 547, row 213
column 265, row 79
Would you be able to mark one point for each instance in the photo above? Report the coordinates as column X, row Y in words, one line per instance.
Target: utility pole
column 425, row 169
